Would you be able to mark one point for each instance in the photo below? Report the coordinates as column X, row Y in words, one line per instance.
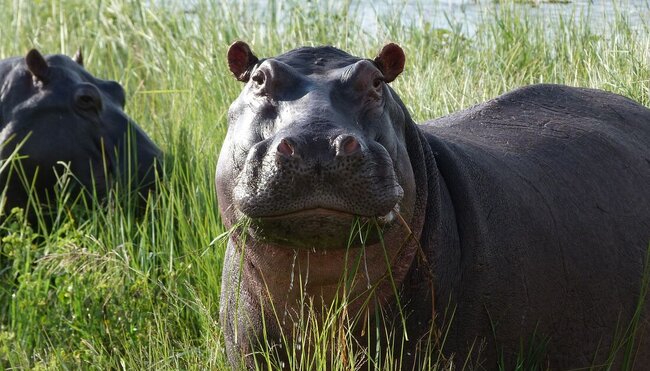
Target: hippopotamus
column 517, row 226
column 55, row 117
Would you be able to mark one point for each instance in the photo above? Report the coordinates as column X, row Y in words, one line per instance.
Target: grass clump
column 114, row 290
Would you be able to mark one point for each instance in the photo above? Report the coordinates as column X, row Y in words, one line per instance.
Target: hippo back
column 549, row 186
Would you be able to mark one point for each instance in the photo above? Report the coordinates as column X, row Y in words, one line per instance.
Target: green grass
column 108, row 289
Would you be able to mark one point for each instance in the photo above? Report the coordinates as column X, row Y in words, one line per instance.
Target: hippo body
column 54, row 114
column 550, row 187
column 521, row 221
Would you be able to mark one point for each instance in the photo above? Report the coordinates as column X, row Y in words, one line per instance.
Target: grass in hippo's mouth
column 319, row 211
column 118, row 290
column 324, row 212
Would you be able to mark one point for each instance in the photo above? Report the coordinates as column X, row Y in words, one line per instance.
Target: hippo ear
column 78, row 57
column 390, row 61
column 37, row 65
column 240, row 60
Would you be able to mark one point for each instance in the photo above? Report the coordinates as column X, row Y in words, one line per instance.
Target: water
column 464, row 15
column 458, row 15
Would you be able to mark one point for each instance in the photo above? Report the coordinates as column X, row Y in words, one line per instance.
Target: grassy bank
column 114, row 291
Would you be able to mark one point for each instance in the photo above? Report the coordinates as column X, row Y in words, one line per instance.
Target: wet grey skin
column 54, row 114
column 527, row 216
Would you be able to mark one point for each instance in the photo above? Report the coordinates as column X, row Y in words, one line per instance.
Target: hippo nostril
column 285, row 148
column 347, row 145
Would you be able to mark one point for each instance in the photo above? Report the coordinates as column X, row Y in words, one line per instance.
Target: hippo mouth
column 320, row 228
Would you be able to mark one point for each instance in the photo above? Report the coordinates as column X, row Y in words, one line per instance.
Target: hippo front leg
column 250, row 328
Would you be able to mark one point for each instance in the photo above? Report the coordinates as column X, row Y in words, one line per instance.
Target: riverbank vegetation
column 117, row 288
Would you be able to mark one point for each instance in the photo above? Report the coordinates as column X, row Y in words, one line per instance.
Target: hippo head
column 316, row 141
column 55, row 115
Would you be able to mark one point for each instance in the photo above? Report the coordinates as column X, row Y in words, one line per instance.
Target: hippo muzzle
column 315, row 186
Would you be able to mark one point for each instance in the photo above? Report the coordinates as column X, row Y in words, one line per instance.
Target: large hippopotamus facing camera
column 519, row 224
column 55, row 115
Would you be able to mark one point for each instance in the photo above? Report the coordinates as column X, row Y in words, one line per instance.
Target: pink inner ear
column 391, row 61
column 240, row 58
column 237, row 60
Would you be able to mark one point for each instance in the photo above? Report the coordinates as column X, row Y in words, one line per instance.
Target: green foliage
column 113, row 289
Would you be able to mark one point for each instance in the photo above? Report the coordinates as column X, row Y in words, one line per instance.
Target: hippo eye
column 376, row 83
column 87, row 98
column 86, row 101
column 258, row 78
